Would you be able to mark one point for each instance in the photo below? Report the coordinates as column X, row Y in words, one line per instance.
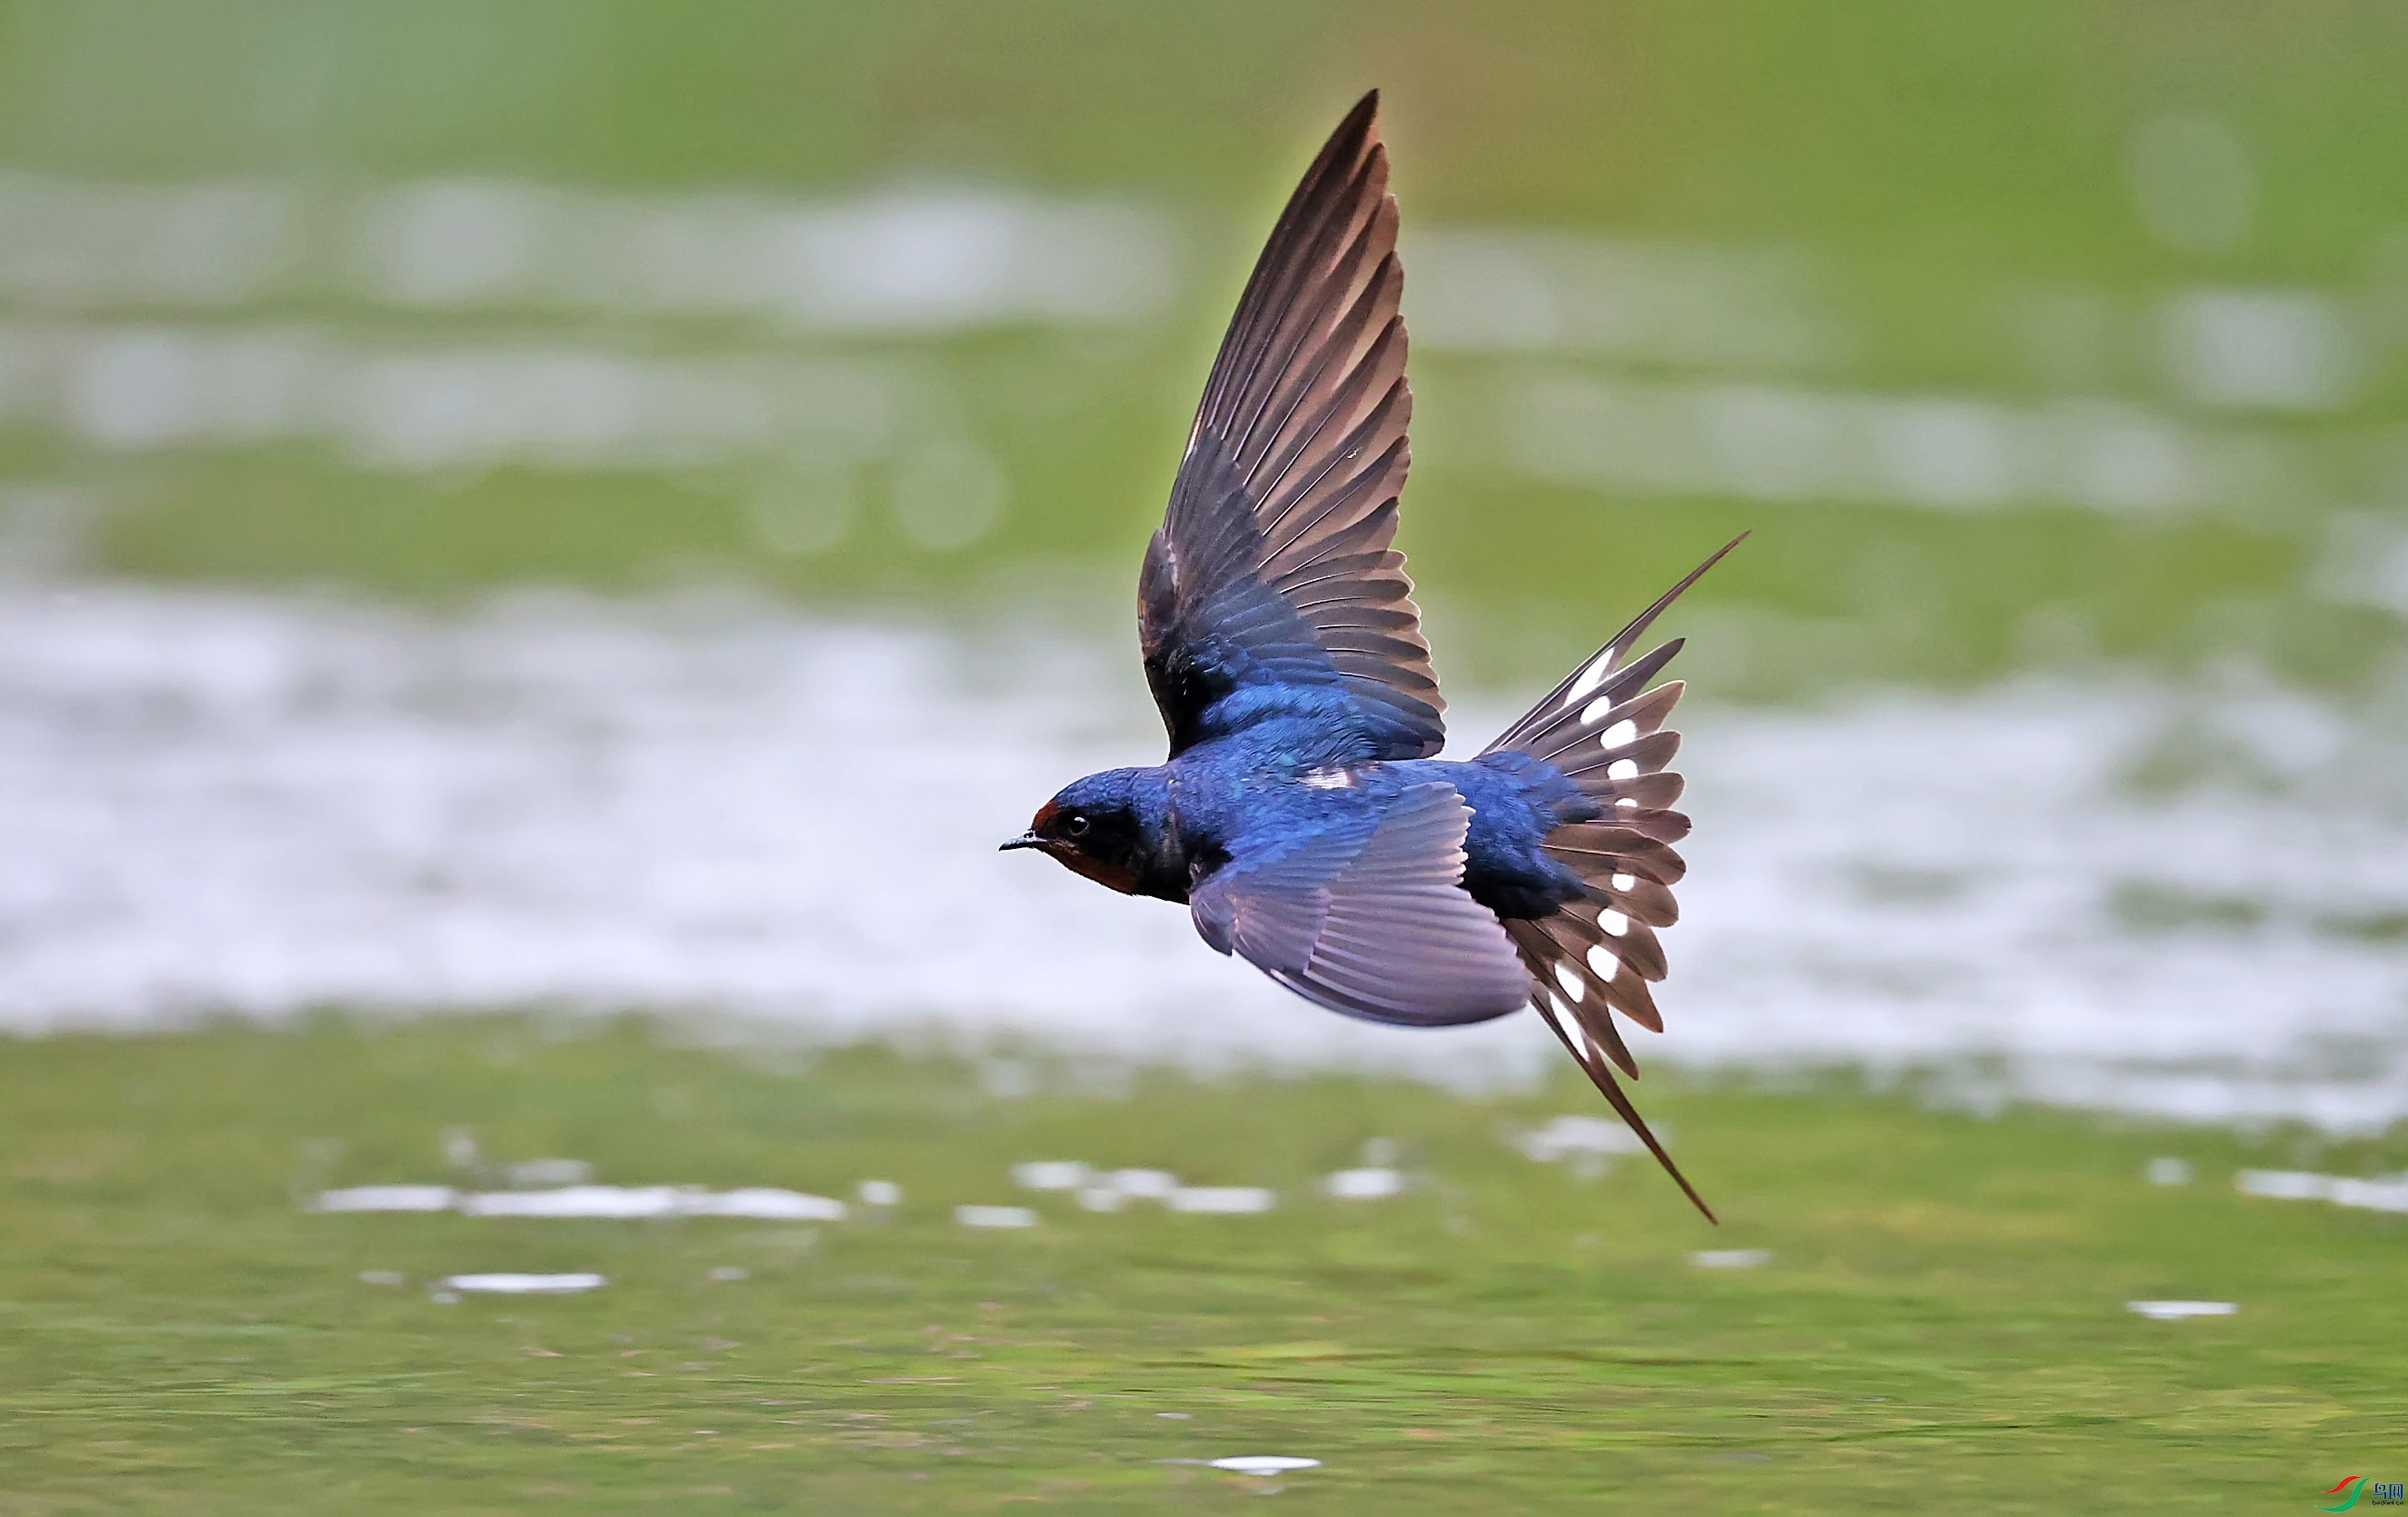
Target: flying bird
column 1302, row 817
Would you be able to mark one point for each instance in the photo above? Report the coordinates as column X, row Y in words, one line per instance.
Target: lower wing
column 1370, row 919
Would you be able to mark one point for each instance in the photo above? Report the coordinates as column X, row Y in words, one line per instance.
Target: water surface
column 2102, row 890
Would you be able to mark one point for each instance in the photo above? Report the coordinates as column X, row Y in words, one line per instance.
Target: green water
column 1942, row 1319
column 1964, row 194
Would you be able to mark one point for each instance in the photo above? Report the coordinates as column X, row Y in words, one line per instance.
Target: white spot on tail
column 1620, row 733
column 1568, row 978
column 1623, row 882
column 1561, row 1011
column 1613, row 923
column 1593, row 676
column 1622, row 769
column 1602, row 960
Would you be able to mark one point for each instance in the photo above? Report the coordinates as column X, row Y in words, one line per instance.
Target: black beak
column 1026, row 839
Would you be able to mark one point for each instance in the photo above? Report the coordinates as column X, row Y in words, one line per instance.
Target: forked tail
column 1604, row 728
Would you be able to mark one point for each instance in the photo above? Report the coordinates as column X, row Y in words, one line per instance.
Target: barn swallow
column 1301, row 816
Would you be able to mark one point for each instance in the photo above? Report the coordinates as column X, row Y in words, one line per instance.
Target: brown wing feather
column 1292, row 474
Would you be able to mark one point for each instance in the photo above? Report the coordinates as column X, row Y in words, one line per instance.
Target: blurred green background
column 2026, row 339
column 2020, row 335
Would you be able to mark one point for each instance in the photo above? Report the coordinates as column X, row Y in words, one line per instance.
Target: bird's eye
column 1076, row 825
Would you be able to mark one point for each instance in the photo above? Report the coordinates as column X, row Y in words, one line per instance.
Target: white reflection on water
column 897, row 260
column 450, row 327
column 267, row 804
column 1499, row 289
column 1789, row 442
column 416, row 407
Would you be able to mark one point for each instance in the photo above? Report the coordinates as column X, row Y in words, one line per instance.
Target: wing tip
column 1355, row 143
column 1355, row 137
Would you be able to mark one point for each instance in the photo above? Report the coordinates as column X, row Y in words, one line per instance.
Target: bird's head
column 1099, row 826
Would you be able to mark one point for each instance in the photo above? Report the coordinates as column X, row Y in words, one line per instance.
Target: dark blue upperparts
column 1515, row 801
column 1280, row 782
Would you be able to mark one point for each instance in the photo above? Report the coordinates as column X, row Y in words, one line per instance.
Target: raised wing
column 1371, row 919
column 1271, row 587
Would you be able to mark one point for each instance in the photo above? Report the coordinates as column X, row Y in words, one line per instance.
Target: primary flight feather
column 1301, row 816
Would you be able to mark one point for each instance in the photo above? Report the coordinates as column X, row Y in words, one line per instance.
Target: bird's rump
column 1272, row 579
column 1367, row 916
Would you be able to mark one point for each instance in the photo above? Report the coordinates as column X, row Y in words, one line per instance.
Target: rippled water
column 2102, row 892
